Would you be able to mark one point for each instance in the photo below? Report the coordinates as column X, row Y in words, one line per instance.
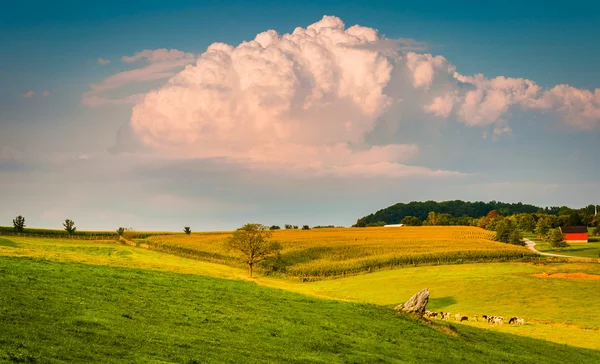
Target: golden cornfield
column 318, row 253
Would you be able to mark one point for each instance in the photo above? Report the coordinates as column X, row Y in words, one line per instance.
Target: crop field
column 318, row 253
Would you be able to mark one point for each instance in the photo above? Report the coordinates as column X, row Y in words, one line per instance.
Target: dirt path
column 531, row 246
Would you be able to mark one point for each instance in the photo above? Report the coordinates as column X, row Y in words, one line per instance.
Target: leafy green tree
column 305, row 227
column 542, row 227
column 515, row 237
column 411, row 221
column 288, row 226
column 504, row 228
column 187, row 230
column 120, row 231
column 527, row 223
column 596, row 230
column 575, row 219
column 19, row 224
column 556, row 239
column 274, row 227
column 252, row 240
column 69, row 226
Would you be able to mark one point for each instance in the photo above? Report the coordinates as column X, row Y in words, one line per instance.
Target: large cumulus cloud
column 306, row 100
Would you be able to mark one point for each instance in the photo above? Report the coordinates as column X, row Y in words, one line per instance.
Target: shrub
column 305, row 227
column 275, row 227
column 120, row 231
column 187, row 230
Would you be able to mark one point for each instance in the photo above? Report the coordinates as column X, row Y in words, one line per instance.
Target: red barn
column 575, row 234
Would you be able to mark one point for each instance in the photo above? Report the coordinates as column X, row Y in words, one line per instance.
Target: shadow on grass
column 8, row 243
column 442, row 302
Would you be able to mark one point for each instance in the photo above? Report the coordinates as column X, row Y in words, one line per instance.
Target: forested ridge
column 456, row 208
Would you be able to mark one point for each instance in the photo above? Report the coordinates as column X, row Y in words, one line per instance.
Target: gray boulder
column 416, row 303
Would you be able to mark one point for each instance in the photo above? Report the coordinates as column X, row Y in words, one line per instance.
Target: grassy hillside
column 59, row 312
column 322, row 253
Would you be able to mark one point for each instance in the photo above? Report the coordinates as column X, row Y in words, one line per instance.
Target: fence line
column 61, row 236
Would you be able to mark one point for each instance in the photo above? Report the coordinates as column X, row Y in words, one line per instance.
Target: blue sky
column 99, row 125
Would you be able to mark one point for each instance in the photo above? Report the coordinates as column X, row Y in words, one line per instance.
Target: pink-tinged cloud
column 103, row 61
column 46, row 93
column 29, row 94
column 309, row 99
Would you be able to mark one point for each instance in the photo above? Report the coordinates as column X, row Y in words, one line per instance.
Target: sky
column 156, row 115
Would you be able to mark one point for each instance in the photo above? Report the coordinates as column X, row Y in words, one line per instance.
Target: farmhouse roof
column 573, row 229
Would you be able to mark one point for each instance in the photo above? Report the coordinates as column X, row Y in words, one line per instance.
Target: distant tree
column 490, row 220
column 575, row 219
column 411, row 221
column 596, row 230
column 504, row 228
column 187, row 230
column 542, row 227
column 274, row 227
column 69, row 226
column 295, row 227
column 252, row 240
column 305, row 227
column 19, row 224
column 556, row 239
column 527, row 223
column 288, row 226
column 515, row 237
column 432, row 219
column 120, row 231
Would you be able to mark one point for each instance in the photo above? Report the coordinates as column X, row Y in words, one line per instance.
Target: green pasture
column 68, row 312
column 586, row 250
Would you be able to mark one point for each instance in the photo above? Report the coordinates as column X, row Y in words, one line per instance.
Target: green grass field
column 71, row 294
column 61, row 312
column 589, row 250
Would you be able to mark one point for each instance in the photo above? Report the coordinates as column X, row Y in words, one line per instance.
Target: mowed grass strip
column 65, row 312
column 319, row 253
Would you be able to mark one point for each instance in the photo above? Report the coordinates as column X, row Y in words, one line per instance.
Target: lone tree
column 252, row 240
column 187, row 230
column 19, row 224
column 69, row 226
column 556, row 239
column 120, row 231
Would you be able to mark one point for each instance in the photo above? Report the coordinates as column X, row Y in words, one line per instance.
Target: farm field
column 70, row 312
column 323, row 253
column 556, row 309
column 589, row 250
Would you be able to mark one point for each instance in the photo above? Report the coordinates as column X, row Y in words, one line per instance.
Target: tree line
column 465, row 213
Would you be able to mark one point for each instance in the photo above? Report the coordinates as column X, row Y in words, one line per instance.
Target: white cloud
column 29, row 94
column 307, row 100
column 103, row 61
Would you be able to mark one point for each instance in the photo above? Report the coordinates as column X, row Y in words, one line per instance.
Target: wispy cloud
column 159, row 64
column 103, row 61
column 46, row 93
column 29, row 94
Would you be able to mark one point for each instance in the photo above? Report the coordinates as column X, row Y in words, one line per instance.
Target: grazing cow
column 498, row 320
column 464, row 318
column 475, row 317
column 457, row 317
column 446, row 316
column 484, row 317
column 520, row 321
column 433, row 314
column 512, row 320
column 490, row 319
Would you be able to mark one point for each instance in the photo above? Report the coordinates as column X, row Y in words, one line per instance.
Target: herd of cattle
column 495, row 320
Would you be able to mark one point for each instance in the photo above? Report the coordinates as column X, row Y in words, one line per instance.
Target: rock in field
column 416, row 303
